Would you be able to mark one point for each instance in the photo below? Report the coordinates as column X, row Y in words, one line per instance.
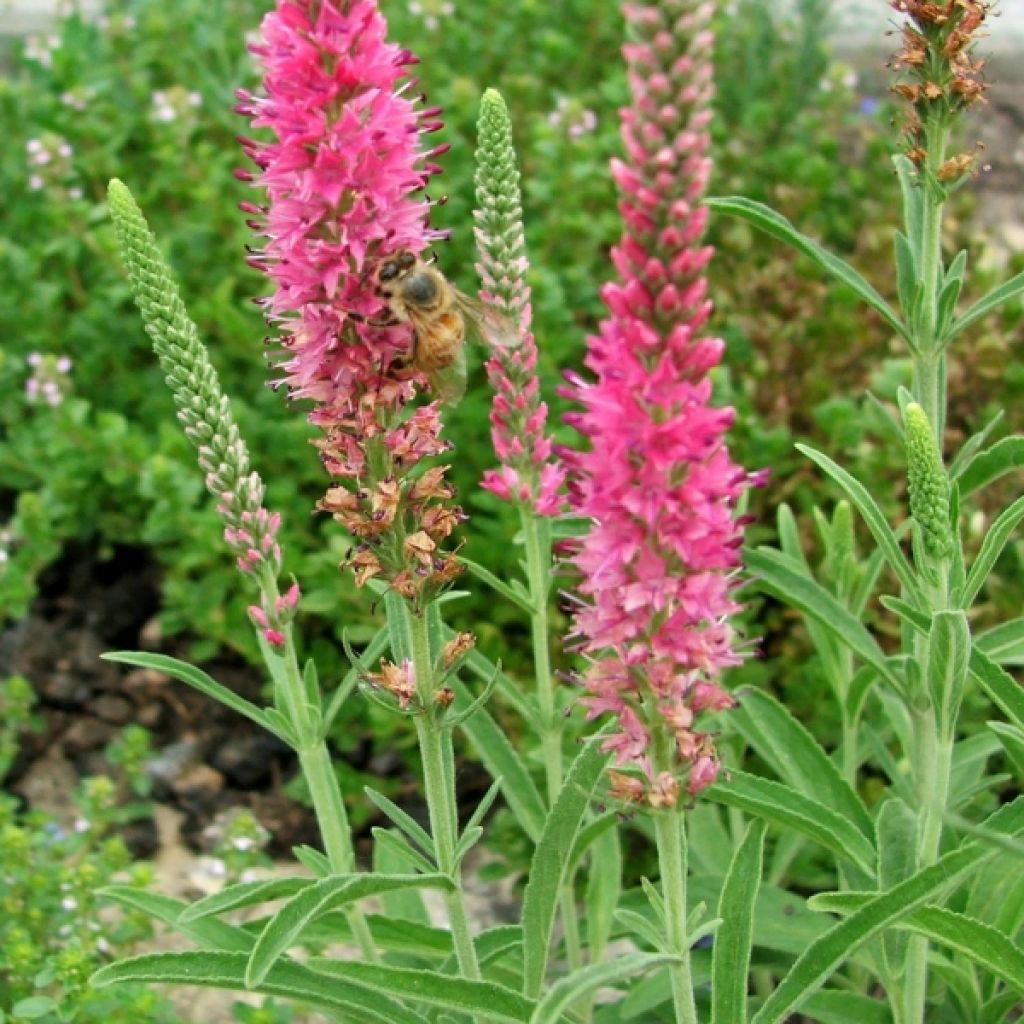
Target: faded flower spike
column 928, row 484
column 344, row 176
column 658, row 565
column 203, row 409
column 942, row 78
column 518, row 416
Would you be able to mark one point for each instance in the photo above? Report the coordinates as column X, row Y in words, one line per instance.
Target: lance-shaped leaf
column 986, row 305
column 772, row 223
column 1000, row 686
column 730, row 960
column 781, row 805
column 287, row 979
column 991, row 548
column 285, row 928
column 837, row 945
column 780, row 576
column 769, row 727
column 1003, row 457
column 551, row 860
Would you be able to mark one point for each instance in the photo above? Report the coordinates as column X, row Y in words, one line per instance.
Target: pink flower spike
column 658, row 566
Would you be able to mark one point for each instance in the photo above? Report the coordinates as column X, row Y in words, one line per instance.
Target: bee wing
column 495, row 330
column 449, row 385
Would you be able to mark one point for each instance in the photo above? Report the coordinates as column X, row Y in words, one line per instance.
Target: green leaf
column 897, row 861
column 790, row 749
column 197, row 679
column 781, row 805
column 588, row 979
column 590, row 834
column 485, row 670
column 504, row 762
column 1011, row 737
column 986, row 305
column 1002, row 458
column 906, row 274
column 947, row 305
column 730, row 958
column 912, row 194
column 211, row 934
column 313, row 860
column 373, row 650
column 832, row 1007
column 779, row 576
column 988, row 947
column 873, row 518
column 774, row 224
column 550, row 860
column 33, row 1007
column 948, row 650
column 432, row 988
column 970, row 448
column 402, row 821
column 1003, row 644
column 1000, row 686
column 244, row 894
column 287, row 979
column 836, row 946
column 392, row 854
column 604, row 889
column 285, row 928
column 499, row 586
column 991, row 548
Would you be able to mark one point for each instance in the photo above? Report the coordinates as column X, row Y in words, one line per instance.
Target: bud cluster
column 518, row 416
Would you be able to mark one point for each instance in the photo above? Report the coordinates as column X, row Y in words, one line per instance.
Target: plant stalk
column 435, row 742
column 669, row 827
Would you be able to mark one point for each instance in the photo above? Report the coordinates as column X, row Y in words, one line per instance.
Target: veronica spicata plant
column 342, row 160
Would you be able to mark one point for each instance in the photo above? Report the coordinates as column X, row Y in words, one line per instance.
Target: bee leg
column 390, row 321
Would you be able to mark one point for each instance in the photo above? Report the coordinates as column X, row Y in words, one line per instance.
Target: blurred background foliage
column 91, row 459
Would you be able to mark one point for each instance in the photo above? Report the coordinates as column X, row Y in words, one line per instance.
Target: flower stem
column 537, row 539
column 670, row 836
column 932, row 765
column 324, row 790
column 435, row 741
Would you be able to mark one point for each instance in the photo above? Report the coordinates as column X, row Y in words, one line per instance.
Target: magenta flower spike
column 344, row 178
column 658, row 566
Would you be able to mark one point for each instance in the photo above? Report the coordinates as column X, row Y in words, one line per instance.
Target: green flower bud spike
column 203, row 408
column 928, row 484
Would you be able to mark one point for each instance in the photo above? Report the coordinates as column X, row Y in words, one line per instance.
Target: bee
column 417, row 293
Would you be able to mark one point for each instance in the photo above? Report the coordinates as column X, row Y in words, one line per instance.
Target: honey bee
column 417, row 293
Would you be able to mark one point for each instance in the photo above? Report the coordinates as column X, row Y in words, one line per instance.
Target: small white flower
column 243, row 843
column 73, row 193
column 69, row 903
column 35, row 183
column 33, row 358
column 64, row 363
column 195, row 99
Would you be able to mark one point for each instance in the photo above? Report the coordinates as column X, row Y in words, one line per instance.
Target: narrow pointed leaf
column 194, row 677
column 1012, row 739
column 986, row 305
column 991, row 548
column 781, row 805
column 836, row 946
column 588, row 979
column 1001, row 687
column 774, row 224
column 970, row 448
column 285, row 928
column 1003, row 457
column 479, row 999
column 209, row 934
column 499, row 586
column 287, row 980
column 604, row 890
column 484, row 669
column 504, row 762
column 730, row 958
column 401, row 820
column 872, row 516
column 777, row 574
column 245, row 894
column 833, row 1007
column 1003, row 644
column 767, row 725
column 550, row 860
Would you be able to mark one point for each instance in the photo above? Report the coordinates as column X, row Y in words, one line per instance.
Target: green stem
column 435, row 742
column 671, row 840
column 538, row 572
column 932, row 761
